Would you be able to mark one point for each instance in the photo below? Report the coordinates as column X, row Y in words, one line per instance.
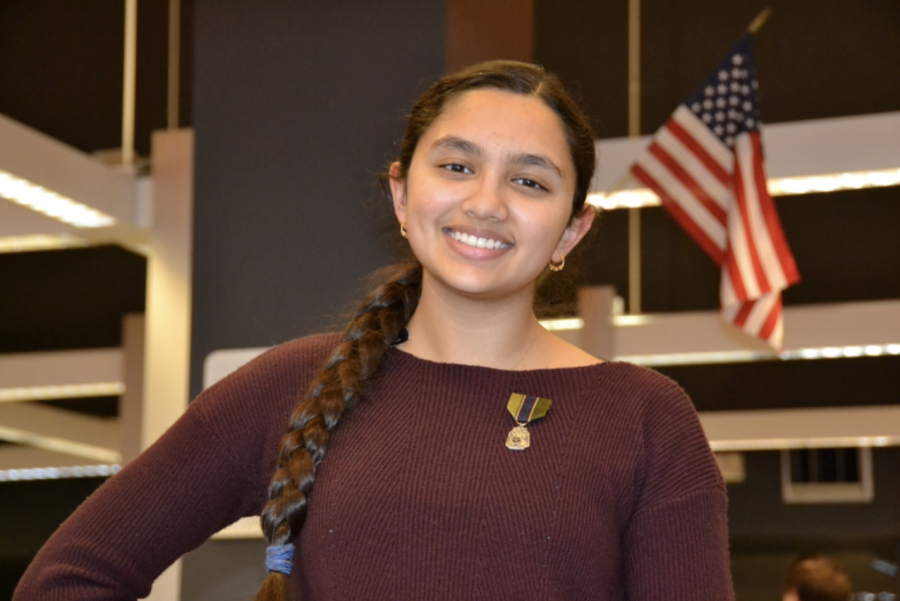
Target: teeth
column 477, row 242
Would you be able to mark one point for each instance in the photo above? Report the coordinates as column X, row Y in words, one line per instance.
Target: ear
column 398, row 191
column 574, row 232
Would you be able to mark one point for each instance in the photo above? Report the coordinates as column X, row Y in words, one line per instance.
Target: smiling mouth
column 476, row 242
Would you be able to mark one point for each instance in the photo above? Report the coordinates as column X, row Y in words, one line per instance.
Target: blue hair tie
column 280, row 558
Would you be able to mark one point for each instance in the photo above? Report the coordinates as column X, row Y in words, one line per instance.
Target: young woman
column 445, row 446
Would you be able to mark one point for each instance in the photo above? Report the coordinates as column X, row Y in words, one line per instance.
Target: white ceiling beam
column 60, row 431
column 806, row 326
column 802, row 428
column 60, row 368
column 29, row 154
column 16, row 457
column 16, row 220
column 798, row 148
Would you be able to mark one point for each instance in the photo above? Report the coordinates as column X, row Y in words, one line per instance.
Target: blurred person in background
column 817, row 578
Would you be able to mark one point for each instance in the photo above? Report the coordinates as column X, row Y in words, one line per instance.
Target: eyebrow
column 469, row 147
column 458, row 144
column 536, row 160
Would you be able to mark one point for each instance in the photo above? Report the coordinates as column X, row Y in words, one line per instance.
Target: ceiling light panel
column 56, row 473
column 51, row 204
column 15, row 244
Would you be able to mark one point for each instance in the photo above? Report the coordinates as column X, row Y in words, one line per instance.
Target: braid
column 337, row 387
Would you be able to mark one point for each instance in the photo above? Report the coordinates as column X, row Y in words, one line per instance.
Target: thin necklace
column 528, row 350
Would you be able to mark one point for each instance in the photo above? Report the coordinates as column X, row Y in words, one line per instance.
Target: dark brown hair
column 381, row 315
column 818, row 578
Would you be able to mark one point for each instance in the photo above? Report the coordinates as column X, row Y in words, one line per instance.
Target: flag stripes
column 706, row 165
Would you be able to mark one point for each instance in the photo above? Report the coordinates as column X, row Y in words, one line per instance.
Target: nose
column 486, row 201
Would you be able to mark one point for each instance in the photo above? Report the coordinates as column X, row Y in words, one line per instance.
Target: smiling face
column 487, row 199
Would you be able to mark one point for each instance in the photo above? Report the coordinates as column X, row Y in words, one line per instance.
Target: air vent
column 827, row 475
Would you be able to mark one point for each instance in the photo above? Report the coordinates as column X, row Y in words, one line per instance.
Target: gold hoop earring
column 558, row 266
column 403, row 230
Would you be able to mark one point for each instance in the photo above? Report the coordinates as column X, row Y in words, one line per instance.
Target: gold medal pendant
column 524, row 409
column 519, row 439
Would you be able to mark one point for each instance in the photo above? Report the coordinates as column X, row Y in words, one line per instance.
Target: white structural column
column 131, row 402
column 595, row 305
column 168, row 312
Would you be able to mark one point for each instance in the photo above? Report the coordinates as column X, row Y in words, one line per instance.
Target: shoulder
column 282, row 364
column 644, row 389
column 248, row 410
column 266, row 389
column 676, row 459
column 296, row 356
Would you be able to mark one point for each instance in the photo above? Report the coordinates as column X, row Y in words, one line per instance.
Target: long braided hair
column 341, row 383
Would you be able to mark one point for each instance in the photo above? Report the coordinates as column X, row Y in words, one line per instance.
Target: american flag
column 706, row 165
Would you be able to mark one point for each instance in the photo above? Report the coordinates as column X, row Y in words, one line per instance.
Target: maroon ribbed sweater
column 418, row 498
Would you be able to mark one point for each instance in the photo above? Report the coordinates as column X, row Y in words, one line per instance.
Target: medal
column 524, row 409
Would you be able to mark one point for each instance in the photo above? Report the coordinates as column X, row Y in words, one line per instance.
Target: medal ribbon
column 525, row 408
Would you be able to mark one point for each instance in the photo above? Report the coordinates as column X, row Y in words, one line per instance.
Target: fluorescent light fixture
column 71, row 391
column 833, row 352
column 564, row 323
column 576, row 323
column 828, row 352
column 55, row 473
column 787, row 186
column 15, row 244
column 51, row 204
column 816, row 443
column 781, row 186
column 635, row 198
column 698, row 358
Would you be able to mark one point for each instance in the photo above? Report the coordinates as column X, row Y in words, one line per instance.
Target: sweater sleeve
column 676, row 544
column 205, row 472
column 166, row 502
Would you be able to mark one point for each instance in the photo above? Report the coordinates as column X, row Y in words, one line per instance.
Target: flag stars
column 727, row 102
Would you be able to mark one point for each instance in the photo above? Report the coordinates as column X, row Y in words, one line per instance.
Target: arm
column 676, row 544
column 211, row 468
column 165, row 503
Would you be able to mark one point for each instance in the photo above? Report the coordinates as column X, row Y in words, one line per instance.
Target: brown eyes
column 456, row 168
column 529, row 183
column 522, row 181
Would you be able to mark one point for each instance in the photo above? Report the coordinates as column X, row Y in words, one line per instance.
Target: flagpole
column 634, row 131
column 760, row 20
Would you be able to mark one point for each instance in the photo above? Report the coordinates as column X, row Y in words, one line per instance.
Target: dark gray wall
column 296, row 109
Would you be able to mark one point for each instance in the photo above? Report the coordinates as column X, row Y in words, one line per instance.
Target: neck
column 450, row 328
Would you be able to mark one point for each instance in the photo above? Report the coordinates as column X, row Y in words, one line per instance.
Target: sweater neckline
column 405, row 359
